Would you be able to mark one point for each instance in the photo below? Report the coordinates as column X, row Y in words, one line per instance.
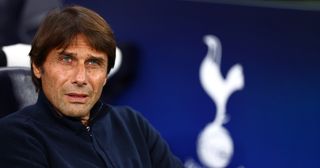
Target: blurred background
column 273, row 121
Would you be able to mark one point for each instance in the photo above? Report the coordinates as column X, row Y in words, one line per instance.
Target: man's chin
column 76, row 112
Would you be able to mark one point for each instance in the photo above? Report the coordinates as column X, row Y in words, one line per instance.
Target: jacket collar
column 70, row 122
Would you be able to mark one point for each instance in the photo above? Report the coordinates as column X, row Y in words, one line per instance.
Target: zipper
column 88, row 128
column 97, row 148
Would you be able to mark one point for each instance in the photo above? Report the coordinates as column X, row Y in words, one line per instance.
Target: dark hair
column 60, row 27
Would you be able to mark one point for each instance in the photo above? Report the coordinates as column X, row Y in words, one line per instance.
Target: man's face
column 73, row 79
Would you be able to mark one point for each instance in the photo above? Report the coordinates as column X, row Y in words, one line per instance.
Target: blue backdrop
column 274, row 120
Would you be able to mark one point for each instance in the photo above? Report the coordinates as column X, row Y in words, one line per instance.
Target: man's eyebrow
column 63, row 52
column 97, row 58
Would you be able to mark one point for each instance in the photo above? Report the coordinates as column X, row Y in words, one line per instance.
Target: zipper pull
column 88, row 128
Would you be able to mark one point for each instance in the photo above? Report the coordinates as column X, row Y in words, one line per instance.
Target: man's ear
column 105, row 81
column 36, row 71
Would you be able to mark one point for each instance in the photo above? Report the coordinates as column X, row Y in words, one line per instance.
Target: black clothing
column 38, row 137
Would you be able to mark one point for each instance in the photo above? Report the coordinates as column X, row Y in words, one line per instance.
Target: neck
column 85, row 121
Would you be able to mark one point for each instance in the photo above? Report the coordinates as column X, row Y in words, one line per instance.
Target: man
column 71, row 55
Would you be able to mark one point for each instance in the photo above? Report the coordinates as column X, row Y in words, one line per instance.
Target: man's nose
column 80, row 76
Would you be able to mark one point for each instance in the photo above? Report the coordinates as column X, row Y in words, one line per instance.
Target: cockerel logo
column 215, row 145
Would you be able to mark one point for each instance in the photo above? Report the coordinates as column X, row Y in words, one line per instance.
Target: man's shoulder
column 20, row 117
column 16, row 125
column 120, row 110
column 125, row 114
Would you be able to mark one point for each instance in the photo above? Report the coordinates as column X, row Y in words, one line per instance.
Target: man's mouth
column 77, row 97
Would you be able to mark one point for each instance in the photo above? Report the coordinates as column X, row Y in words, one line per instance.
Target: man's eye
column 66, row 59
column 93, row 62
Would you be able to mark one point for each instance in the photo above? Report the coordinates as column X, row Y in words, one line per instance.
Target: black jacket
column 117, row 137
